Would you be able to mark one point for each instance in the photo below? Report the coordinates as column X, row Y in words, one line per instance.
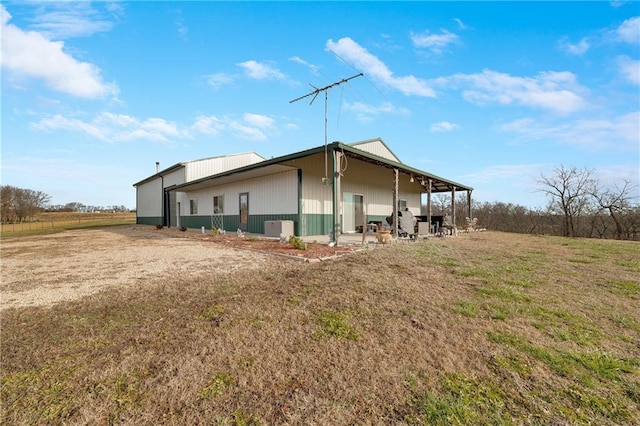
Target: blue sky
column 489, row 94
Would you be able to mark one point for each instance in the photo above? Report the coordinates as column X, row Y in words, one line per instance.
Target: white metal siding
column 377, row 148
column 212, row 166
column 317, row 198
column 149, row 198
column 272, row 194
column 176, row 177
column 375, row 183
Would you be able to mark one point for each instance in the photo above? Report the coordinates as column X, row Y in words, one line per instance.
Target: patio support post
column 395, row 202
column 453, row 205
column 469, row 213
column 429, row 182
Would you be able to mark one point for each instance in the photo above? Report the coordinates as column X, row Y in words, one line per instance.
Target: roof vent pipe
column 157, row 167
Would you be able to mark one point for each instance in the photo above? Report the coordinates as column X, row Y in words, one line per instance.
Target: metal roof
column 274, row 165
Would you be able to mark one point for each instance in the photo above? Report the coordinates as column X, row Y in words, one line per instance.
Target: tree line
column 578, row 205
column 22, row 205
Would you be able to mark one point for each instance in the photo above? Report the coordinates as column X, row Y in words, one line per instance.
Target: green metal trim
column 149, row 220
column 255, row 223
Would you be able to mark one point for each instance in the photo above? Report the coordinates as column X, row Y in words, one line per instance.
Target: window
column 218, row 204
column 193, row 206
column 402, row 204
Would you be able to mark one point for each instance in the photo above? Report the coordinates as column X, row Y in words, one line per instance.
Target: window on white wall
column 218, row 204
column 402, row 204
column 193, row 206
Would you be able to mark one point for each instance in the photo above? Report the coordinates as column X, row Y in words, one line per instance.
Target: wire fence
column 60, row 221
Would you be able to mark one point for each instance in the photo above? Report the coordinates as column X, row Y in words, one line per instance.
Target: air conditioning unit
column 278, row 228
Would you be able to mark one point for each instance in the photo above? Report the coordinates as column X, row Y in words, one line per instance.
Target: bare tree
column 441, row 203
column 568, row 191
column 19, row 204
column 616, row 201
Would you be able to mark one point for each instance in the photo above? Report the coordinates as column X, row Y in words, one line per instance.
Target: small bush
column 297, row 243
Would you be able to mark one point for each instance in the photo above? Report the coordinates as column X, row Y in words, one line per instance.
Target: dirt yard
column 73, row 264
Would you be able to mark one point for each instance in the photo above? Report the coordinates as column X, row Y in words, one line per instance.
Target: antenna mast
column 324, row 89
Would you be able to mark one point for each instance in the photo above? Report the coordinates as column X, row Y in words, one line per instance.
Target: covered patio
column 430, row 183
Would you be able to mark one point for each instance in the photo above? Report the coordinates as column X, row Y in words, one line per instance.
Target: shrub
column 297, row 243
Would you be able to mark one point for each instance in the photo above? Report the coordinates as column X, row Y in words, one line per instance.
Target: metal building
column 328, row 190
column 156, row 202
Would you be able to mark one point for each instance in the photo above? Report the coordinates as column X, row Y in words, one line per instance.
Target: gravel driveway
column 47, row 269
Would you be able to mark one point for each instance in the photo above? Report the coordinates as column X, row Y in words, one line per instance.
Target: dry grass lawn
column 485, row 328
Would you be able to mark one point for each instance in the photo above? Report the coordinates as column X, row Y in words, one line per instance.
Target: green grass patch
column 604, row 365
column 216, row 387
column 213, row 313
column 624, row 287
column 503, row 293
column 460, row 400
column 467, row 309
column 600, row 364
column 626, row 321
column 334, row 323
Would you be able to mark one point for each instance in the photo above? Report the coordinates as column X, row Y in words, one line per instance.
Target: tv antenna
column 324, row 89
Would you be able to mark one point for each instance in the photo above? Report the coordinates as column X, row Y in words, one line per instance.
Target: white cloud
column 443, row 126
column 256, row 127
column 210, row 125
column 629, row 31
column 615, row 175
column 554, row 91
column 461, row 24
column 181, row 27
column 373, row 67
column 434, row 42
column 630, row 69
column 261, row 71
column 30, row 54
column 505, row 172
column 578, row 49
column 219, row 79
column 109, row 127
column 243, row 131
column 259, row 120
column 62, row 20
column 619, row 133
column 367, row 112
column 299, row 60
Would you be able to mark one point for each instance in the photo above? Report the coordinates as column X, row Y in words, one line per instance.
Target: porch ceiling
column 438, row 184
